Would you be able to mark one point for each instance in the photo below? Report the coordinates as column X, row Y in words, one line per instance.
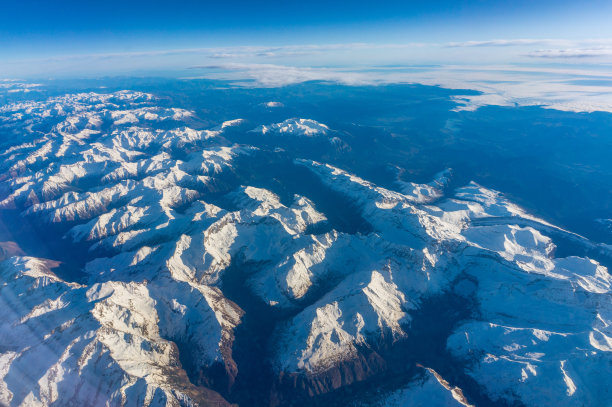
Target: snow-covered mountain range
column 457, row 295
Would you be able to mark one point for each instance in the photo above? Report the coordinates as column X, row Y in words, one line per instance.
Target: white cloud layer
column 522, row 42
column 577, row 90
column 489, row 52
column 505, row 43
column 506, row 71
column 571, row 53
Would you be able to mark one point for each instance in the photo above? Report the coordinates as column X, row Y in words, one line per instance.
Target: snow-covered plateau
column 451, row 297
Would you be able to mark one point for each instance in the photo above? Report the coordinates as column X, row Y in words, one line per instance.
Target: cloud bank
column 571, row 53
column 487, row 52
column 507, row 72
column 577, row 90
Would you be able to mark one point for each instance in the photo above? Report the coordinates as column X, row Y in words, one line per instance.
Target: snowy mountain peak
column 296, row 127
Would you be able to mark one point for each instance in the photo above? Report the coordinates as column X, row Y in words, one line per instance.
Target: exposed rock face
column 342, row 373
column 178, row 258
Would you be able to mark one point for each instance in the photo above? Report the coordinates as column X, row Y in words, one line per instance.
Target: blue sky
column 49, row 37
